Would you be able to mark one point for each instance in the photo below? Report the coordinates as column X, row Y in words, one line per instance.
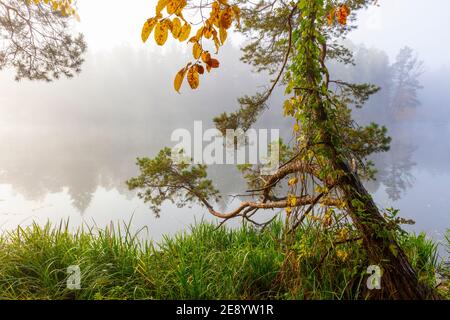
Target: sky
column 390, row 26
column 422, row 25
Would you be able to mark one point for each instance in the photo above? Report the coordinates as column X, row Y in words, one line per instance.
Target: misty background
column 69, row 146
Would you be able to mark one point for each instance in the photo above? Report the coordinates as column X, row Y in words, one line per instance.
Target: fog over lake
column 69, row 146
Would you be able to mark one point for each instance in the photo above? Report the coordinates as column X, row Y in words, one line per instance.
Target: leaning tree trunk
column 399, row 280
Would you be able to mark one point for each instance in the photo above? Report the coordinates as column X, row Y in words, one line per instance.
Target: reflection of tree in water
column 395, row 168
column 81, row 199
column 396, row 174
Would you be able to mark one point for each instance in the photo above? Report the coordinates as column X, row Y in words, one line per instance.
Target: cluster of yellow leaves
column 292, row 105
column 328, row 218
column 289, row 107
column 178, row 26
column 214, row 29
column 321, row 189
column 342, row 255
column 303, row 249
column 293, row 181
column 340, row 14
column 64, row 6
column 291, row 202
column 313, row 218
column 342, row 234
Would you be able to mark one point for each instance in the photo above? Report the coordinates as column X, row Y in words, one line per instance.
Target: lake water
column 69, row 146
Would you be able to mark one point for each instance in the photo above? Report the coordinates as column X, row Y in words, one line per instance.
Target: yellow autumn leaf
column 226, row 18
column 199, row 33
column 293, row 201
column 160, row 6
column 215, row 14
column 176, row 28
column 216, row 42
column 161, row 32
column 207, row 33
column 180, row 7
column 206, row 57
column 193, row 77
column 185, row 32
column 147, row 28
column 215, row 7
column 172, row 6
column 197, row 50
column 330, row 16
column 179, row 79
column 222, row 35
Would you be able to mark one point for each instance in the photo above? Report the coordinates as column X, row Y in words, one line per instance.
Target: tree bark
column 399, row 280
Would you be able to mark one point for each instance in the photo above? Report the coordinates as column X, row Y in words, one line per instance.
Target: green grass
column 203, row 264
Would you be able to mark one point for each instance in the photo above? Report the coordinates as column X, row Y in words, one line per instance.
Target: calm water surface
column 68, row 147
